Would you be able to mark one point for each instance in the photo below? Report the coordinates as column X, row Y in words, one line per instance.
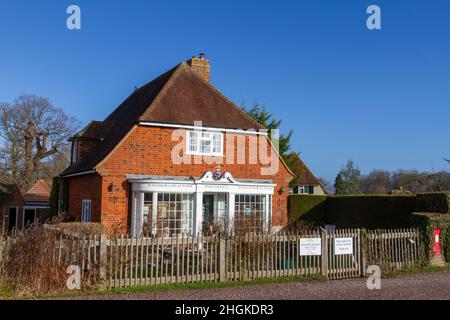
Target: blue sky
column 381, row 98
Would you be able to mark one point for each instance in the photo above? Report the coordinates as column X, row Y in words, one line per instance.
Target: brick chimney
column 200, row 65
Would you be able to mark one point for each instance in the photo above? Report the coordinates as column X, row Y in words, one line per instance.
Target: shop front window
column 174, row 214
column 251, row 213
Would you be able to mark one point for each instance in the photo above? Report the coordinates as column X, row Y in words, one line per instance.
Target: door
column 12, row 218
column 29, row 217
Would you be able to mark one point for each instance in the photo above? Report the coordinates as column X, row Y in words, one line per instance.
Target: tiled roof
column 94, row 130
column 40, row 192
column 304, row 175
column 179, row 96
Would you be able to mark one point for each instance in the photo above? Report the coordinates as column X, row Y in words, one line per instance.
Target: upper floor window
column 73, row 156
column 305, row 190
column 205, row 143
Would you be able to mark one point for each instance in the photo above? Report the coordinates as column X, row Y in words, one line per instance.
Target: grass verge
column 180, row 286
column 5, row 293
column 426, row 269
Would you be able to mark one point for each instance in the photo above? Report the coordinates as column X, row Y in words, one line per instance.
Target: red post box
column 437, row 240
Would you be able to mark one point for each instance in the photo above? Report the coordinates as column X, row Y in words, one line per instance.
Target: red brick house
column 36, row 203
column 11, row 204
column 20, row 210
column 150, row 165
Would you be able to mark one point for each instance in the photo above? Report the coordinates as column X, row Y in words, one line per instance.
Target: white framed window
column 306, row 190
column 73, row 156
column 174, row 213
column 86, row 211
column 205, row 143
column 252, row 213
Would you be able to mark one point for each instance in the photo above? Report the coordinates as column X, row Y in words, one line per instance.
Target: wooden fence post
column 363, row 251
column 324, row 253
column 222, row 252
column 103, row 260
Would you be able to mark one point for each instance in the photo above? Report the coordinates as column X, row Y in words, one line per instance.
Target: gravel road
column 432, row 285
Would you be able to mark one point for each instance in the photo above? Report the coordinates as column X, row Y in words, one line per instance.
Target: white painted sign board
column 310, row 246
column 343, row 246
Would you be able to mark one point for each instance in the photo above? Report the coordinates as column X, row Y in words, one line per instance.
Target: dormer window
column 73, row 155
column 205, row 143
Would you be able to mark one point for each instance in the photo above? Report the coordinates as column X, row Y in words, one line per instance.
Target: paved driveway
column 432, row 285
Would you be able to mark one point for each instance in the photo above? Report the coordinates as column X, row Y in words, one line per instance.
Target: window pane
column 175, row 212
column 147, row 222
column 205, row 146
column 217, row 143
column 193, row 141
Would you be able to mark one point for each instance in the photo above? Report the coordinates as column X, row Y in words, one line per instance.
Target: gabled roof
column 179, row 96
column 40, row 192
column 304, row 175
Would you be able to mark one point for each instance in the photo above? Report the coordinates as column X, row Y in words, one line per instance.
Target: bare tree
column 34, row 133
column 376, row 182
column 383, row 182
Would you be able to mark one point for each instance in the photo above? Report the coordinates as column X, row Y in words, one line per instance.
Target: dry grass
column 80, row 228
column 35, row 261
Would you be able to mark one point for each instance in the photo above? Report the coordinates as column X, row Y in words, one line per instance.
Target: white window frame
column 86, row 211
column 304, row 189
column 212, row 138
column 74, row 150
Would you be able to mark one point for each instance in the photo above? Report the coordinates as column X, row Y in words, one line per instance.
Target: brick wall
column 84, row 147
column 85, row 187
column 147, row 150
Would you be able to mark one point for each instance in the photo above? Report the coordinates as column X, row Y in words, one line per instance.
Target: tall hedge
column 307, row 208
column 436, row 202
column 370, row 211
column 361, row 211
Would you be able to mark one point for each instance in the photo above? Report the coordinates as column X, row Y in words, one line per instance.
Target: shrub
column 80, row 228
column 34, row 261
column 308, row 208
column 437, row 202
column 28, row 265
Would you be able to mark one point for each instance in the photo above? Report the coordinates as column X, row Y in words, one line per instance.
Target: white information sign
column 343, row 246
column 310, row 246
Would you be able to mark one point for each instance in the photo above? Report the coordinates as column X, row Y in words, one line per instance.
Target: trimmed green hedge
column 307, row 208
column 436, row 202
column 360, row 211
column 370, row 211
